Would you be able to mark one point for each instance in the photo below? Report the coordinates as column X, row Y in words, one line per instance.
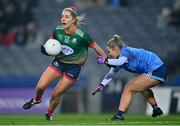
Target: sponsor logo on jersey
column 67, row 50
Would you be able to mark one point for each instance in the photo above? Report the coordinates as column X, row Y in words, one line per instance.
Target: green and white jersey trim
column 79, row 32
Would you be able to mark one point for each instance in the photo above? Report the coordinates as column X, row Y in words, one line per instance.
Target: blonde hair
column 79, row 19
column 116, row 40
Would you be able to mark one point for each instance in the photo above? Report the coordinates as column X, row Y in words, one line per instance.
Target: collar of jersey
column 70, row 33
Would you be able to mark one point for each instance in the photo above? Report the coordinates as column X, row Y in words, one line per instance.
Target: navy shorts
column 72, row 71
column 159, row 73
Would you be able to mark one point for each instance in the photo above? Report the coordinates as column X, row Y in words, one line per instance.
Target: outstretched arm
column 113, row 62
column 106, row 80
column 117, row 62
column 108, row 77
column 99, row 50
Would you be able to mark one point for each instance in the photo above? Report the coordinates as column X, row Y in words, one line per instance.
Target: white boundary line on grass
column 88, row 125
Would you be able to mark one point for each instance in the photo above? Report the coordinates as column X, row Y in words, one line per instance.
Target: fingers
column 94, row 92
column 100, row 87
column 43, row 50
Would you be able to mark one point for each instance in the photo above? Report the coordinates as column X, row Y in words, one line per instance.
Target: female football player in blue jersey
column 151, row 68
column 68, row 63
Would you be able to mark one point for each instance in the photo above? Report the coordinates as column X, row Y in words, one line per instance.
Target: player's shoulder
column 126, row 48
column 130, row 48
column 81, row 32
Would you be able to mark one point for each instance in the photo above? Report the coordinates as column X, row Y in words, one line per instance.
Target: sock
column 120, row 113
column 155, row 106
column 37, row 99
column 50, row 111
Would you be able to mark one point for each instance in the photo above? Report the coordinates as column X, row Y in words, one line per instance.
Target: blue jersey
column 139, row 60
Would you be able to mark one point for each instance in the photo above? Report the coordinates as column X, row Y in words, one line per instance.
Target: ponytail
column 116, row 40
column 80, row 19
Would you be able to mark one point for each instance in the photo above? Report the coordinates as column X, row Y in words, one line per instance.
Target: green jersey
column 74, row 46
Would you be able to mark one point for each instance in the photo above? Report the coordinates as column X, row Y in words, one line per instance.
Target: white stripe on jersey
column 79, row 32
column 59, row 27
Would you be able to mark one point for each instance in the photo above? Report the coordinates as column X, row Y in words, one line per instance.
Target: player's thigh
column 49, row 75
column 64, row 84
column 142, row 83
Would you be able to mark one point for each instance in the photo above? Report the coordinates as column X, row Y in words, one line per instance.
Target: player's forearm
column 117, row 62
column 99, row 50
column 108, row 77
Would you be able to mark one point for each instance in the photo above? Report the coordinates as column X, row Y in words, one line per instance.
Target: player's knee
column 129, row 88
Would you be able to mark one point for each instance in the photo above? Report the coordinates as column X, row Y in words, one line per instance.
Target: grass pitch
column 90, row 120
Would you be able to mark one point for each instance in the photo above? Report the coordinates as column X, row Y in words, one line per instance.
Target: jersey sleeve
column 117, row 62
column 55, row 32
column 89, row 40
column 109, row 76
column 51, row 35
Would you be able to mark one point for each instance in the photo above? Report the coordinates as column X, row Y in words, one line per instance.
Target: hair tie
column 73, row 8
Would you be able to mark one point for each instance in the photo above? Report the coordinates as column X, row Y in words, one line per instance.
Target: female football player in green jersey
column 68, row 63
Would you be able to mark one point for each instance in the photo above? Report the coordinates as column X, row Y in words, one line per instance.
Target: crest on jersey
column 66, row 39
column 74, row 40
column 60, row 36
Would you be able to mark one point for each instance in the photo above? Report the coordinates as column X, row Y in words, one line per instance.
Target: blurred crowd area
column 150, row 24
column 170, row 16
column 17, row 25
